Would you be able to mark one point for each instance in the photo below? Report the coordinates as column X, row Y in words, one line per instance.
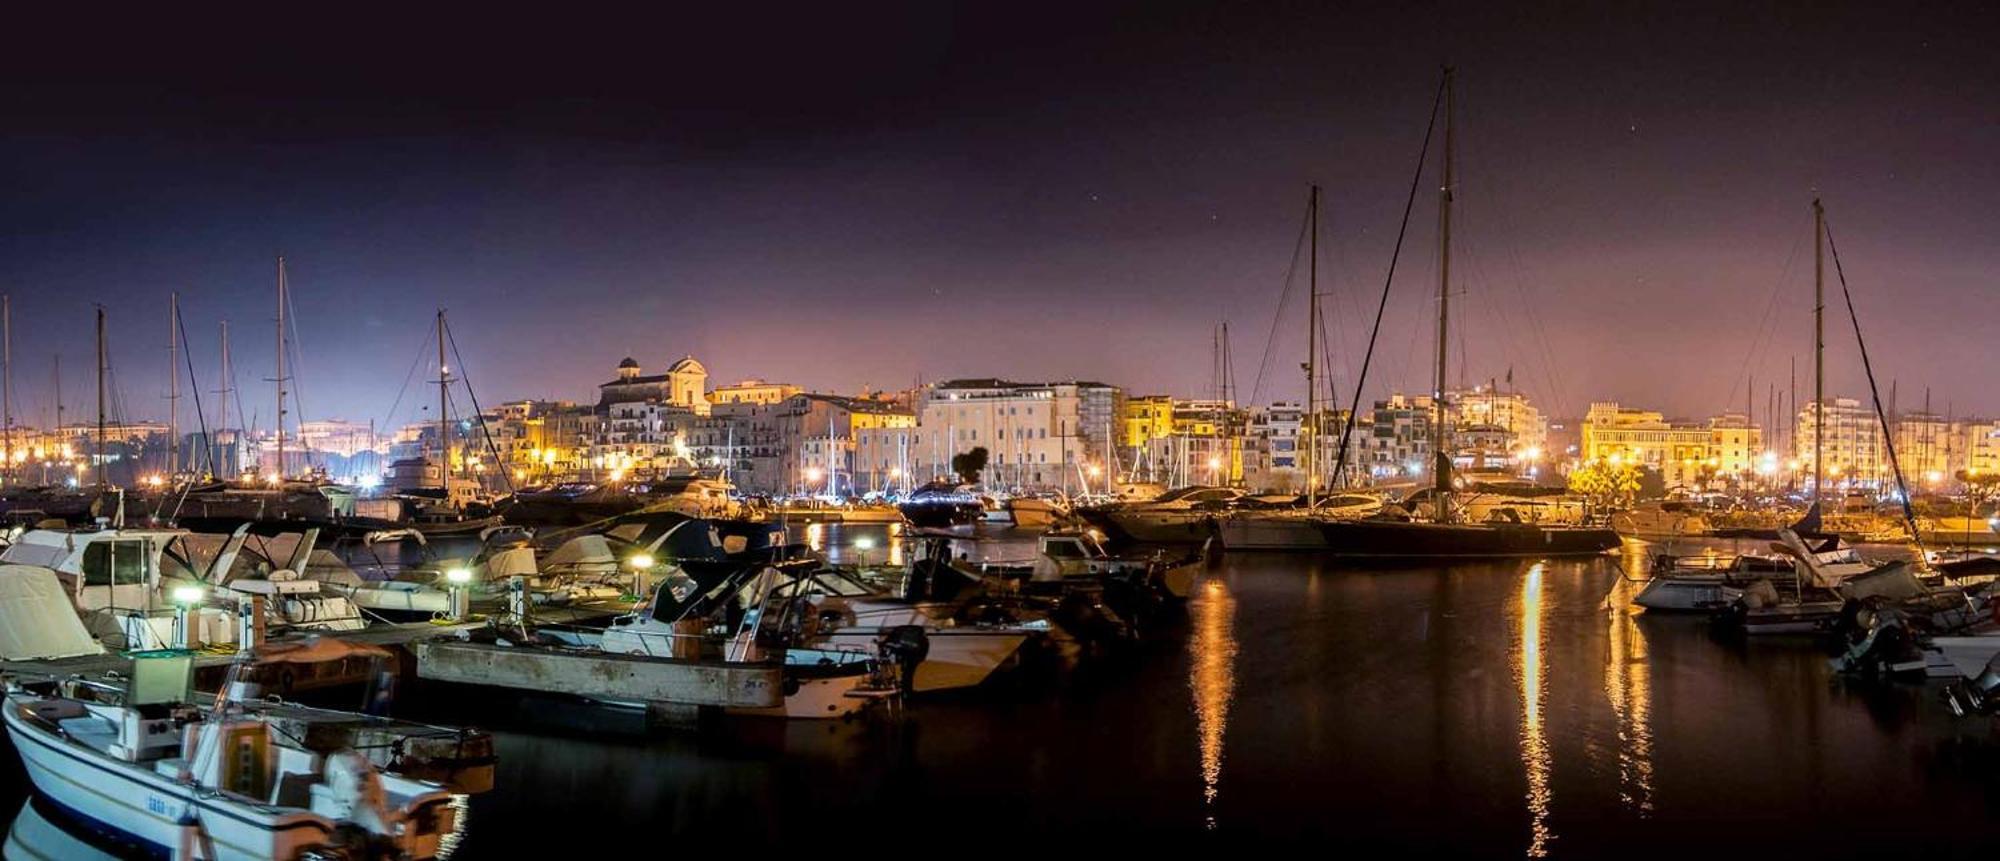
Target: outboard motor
column 1975, row 695
column 906, row 646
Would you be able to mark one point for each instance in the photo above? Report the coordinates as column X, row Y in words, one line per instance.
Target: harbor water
column 1517, row 709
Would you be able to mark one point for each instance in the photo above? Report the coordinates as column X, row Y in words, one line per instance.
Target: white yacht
column 126, row 582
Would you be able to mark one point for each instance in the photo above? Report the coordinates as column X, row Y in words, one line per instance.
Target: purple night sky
column 838, row 199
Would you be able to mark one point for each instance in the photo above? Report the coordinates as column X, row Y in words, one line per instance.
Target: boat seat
column 55, row 711
column 293, row 790
column 91, row 730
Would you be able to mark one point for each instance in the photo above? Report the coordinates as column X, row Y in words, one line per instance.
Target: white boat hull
column 958, row 657
column 818, row 699
column 1686, row 595
column 140, row 804
column 1968, row 655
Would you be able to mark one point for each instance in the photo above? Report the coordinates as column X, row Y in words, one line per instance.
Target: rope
column 498, row 462
column 1291, row 277
column 1409, row 205
column 1874, row 393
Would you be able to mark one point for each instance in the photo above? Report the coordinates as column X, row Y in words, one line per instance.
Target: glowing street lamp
column 864, row 544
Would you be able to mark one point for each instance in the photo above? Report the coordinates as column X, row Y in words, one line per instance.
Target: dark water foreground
column 1485, row 710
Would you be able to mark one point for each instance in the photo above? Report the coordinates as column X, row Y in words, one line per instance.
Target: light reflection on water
column 1212, row 678
column 1528, row 670
column 1628, row 687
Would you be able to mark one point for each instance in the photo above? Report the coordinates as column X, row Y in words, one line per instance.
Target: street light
column 864, row 545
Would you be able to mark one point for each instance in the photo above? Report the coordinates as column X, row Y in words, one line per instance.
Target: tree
column 969, row 464
column 1604, row 483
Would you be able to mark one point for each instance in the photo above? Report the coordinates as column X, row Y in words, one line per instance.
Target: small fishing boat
column 149, row 766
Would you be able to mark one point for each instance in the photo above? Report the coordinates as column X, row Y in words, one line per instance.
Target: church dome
column 629, row 363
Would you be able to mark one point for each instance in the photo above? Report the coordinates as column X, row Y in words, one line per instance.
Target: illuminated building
column 1038, row 436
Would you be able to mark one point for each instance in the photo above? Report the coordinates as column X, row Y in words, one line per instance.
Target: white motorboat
column 820, row 683
column 216, row 783
column 1034, row 512
column 1664, row 520
column 855, row 618
column 129, row 582
column 1181, row 516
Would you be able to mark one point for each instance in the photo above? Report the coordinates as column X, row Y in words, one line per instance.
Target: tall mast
column 1819, row 345
column 98, row 455
column 173, row 385
column 281, row 369
column 1309, row 429
column 228, row 380
column 1442, row 458
column 444, row 419
column 7, row 376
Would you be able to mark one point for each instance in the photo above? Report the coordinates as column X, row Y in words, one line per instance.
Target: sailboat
column 1442, row 532
column 1821, row 593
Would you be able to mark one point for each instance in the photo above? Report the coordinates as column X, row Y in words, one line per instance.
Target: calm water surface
column 1491, row 710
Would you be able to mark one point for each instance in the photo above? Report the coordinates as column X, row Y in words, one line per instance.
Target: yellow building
column 1147, row 419
column 1615, row 434
column 1184, row 441
column 752, row 391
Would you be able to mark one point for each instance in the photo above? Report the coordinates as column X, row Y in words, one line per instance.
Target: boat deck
column 110, row 661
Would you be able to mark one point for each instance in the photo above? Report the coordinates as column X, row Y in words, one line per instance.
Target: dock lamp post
column 458, row 581
column 864, row 545
column 641, row 563
column 185, row 599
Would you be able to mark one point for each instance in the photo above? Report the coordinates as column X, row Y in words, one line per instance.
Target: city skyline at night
column 935, row 193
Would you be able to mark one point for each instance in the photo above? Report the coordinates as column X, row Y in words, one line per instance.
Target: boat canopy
column 37, row 618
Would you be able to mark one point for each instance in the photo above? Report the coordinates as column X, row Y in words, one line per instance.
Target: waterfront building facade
column 1038, row 436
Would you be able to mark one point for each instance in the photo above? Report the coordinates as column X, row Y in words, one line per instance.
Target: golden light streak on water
column 895, row 547
column 816, row 536
column 1212, row 679
column 1528, row 670
column 1628, row 686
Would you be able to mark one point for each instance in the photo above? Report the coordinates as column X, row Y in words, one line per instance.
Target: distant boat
column 1445, row 532
column 941, row 505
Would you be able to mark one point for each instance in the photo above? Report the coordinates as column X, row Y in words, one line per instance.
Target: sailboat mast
column 1442, row 471
column 1309, row 429
column 7, row 376
column 173, row 385
column 281, row 369
column 1819, row 346
column 98, row 456
column 444, row 419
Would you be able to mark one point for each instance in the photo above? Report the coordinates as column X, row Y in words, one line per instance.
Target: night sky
column 840, row 198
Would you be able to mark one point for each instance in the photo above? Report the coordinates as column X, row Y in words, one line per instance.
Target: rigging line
column 498, row 462
column 297, row 358
column 1277, row 317
column 389, row 420
column 1409, row 205
column 1759, row 341
column 1888, row 437
column 201, row 418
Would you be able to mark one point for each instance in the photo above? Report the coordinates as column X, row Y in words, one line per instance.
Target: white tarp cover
column 37, row 618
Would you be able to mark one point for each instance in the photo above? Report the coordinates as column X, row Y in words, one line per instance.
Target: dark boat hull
column 1410, row 540
column 940, row 513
